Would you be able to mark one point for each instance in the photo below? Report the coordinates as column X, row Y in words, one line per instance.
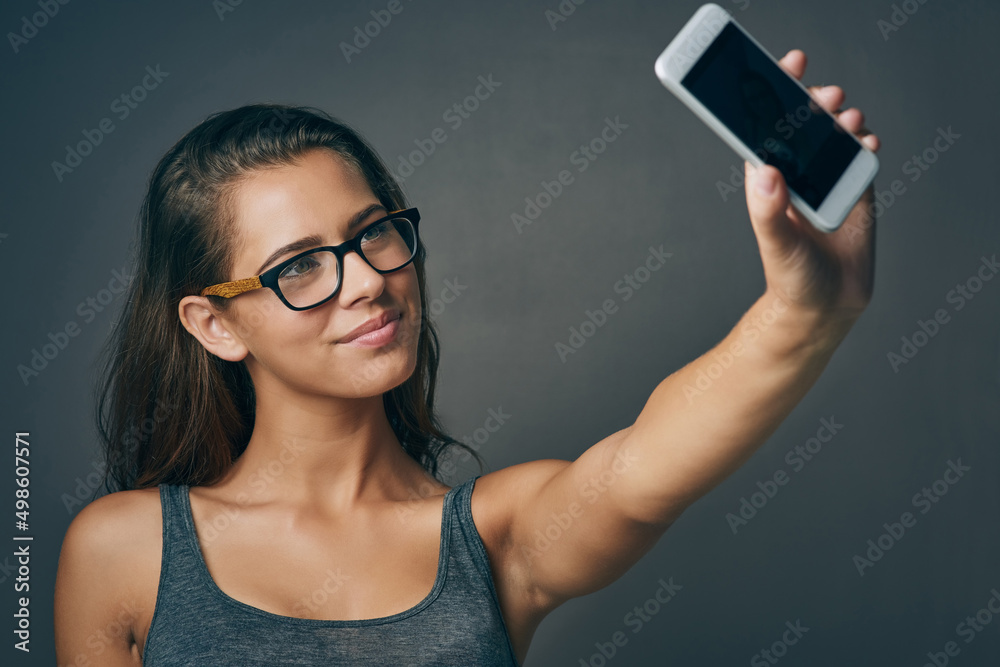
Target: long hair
column 168, row 411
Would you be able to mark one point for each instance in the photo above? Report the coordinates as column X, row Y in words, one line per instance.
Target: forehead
column 317, row 194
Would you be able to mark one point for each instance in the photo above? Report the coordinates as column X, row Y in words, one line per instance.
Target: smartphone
column 766, row 115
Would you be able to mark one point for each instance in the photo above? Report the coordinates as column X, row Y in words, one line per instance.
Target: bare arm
column 704, row 421
column 95, row 610
column 576, row 527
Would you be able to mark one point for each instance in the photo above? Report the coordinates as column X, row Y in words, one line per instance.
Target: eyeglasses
column 313, row 277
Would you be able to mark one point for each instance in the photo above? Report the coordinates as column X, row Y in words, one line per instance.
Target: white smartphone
column 767, row 116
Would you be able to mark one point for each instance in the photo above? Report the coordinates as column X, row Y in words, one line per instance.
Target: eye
column 300, row 267
column 374, row 233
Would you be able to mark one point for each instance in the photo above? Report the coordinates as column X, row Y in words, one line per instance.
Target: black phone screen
column 776, row 119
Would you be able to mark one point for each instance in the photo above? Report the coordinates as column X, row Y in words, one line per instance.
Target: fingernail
column 764, row 182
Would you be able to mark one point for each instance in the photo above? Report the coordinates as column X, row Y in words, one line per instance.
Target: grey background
column 655, row 185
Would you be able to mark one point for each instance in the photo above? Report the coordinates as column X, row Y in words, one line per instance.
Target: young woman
column 268, row 418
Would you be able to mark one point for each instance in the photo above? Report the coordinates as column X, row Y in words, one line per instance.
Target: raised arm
column 576, row 527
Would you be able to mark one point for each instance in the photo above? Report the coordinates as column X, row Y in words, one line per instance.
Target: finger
column 776, row 233
column 830, row 98
column 852, row 120
column 794, row 63
column 872, row 142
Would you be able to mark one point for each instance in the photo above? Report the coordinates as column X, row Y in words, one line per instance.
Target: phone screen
column 776, row 119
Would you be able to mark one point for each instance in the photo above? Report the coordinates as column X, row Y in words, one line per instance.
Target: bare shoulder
column 117, row 510
column 108, row 564
column 116, row 526
column 499, row 497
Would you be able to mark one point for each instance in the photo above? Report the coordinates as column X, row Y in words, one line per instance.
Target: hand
column 829, row 274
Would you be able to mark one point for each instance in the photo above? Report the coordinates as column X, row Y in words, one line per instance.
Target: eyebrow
column 313, row 240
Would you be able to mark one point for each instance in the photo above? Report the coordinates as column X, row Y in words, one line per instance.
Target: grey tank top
column 458, row 623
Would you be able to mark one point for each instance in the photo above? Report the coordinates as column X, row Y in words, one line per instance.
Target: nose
column 360, row 280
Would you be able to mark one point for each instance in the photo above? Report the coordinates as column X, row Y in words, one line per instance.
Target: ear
column 216, row 334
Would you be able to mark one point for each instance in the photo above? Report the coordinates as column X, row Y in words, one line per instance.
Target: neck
column 323, row 452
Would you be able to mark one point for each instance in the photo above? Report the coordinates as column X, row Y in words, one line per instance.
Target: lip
column 375, row 332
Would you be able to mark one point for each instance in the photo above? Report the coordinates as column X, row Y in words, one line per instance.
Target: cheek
column 404, row 287
column 405, row 291
column 254, row 318
column 269, row 325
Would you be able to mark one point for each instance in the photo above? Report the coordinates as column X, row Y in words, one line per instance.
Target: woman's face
column 306, row 349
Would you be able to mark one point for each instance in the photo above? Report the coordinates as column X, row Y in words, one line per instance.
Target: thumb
column 767, row 200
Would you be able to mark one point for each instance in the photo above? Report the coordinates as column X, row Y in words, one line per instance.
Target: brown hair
column 168, row 411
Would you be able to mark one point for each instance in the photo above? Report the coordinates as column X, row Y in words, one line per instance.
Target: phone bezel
column 681, row 55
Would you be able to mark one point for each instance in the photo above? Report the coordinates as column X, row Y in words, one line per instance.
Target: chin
column 383, row 372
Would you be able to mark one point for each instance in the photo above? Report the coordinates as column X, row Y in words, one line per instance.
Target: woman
column 279, row 504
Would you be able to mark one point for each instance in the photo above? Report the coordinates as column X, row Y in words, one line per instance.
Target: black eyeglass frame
column 269, row 278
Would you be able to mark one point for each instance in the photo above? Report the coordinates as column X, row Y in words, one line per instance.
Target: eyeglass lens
column 314, row 277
